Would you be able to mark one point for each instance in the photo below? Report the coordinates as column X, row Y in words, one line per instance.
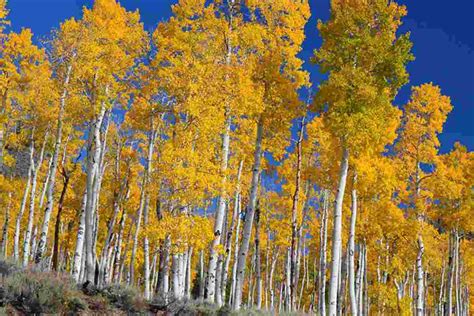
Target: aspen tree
column 366, row 68
column 283, row 39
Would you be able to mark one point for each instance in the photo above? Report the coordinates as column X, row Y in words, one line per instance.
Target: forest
column 198, row 162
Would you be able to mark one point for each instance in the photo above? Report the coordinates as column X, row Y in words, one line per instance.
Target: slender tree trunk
column 420, row 275
column 450, row 281
column 249, row 216
column 16, row 236
column 118, row 249
column 457, row 280
column 57, row 225
column 188, row 283
column 280, row 298
column 4, row 245
column 2, row 148
column 31, row 215
column 351, row 251
column 360, row 285
column 202, row 278
column 270, row 282
column 164, row 268
column 343, row 284
column 250, row 282
column 366, row 306
column 93, row 158
column 131, row 272
column 230, row 230
column 220, row 214
column 236, row 253
column 258, row 272
column 218, row 289
column 294, row 224
column 117, row 200
column 45, row 184
column 288, row 280
column 322, row 254
column 337, row 235
column 146, row 244
column 41, row 248
column 300, row 297
column 77, row 261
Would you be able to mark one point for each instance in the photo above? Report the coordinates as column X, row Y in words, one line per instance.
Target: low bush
column 34, row 293
column 8, row 267
column 124, row 298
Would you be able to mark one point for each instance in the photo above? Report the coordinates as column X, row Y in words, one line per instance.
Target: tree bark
column 4, row 245
column 188, row 283
column 55, row 259
column 118, row 249
column 230, row 230
column 249, row 216
column 146, row 207
column 323, row 253
column 16, row 236
column 93, row 170
column 220, row 214
column 41, row 247
column 270, row 282
column 337, row 235
column 31, row 215
column 294, row 224
column 258, row 272
column 351, row 250
column 236, row 252
column 78, row 253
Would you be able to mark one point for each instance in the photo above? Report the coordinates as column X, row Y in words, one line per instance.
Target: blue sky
column 442, row 33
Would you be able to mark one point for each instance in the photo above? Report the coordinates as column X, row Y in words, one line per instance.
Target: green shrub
column 32, row 292
column 124, row 298
column 8, row 267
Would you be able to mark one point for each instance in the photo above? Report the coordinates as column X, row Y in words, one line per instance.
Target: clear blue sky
column 442, row 33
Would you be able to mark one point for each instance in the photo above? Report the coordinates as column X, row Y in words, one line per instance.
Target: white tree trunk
column 258, row 272
column 230, row 231
column 360, row 278
column 16, row 236
column 420, row 279
column 218, row 282
column 202, row 278
column 45, row 184
column 41, row 247
column 93, row 173
column 337, row 235
column 457, row 279
column 77, row 261
column 31, row 215
column 131, row 272
column 188, row 283
column 270, row 282
column 220, row 214
column 351, row 251
column 294, row 225
column 146, row 244
column 118, row 249
column 236, row 252
column 249, row 217
column 4, row 245
column 176, row 276
column 2, row 146
column 322, row 254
